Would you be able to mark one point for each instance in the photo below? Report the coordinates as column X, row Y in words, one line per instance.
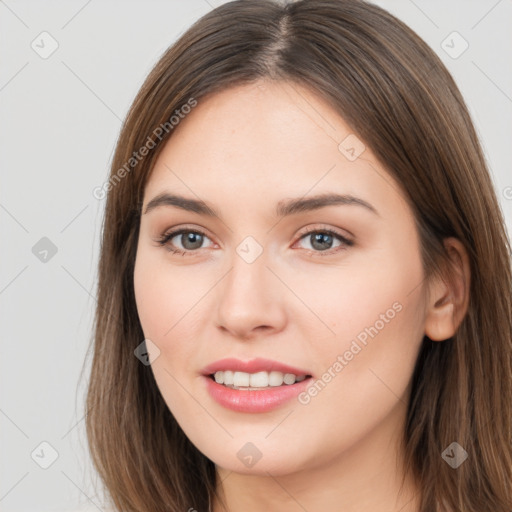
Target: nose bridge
column 249, row 273
column 249, row 296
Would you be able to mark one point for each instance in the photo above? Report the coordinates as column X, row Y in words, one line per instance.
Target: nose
column 250, row 300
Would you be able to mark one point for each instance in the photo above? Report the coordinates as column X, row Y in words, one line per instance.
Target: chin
column 258, row 458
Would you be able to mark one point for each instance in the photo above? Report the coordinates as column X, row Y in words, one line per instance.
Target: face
column 329, row 287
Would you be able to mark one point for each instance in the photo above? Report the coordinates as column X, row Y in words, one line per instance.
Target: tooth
column 275, row 379
column 289, row 378
column 259, row 380
column 241, row 379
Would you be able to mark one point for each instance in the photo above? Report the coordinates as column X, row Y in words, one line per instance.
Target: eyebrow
column 284, row 207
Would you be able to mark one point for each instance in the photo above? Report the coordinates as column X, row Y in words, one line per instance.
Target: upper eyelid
column 204, row 231
column 320, row 229
column 169, row 234
column 184, row 229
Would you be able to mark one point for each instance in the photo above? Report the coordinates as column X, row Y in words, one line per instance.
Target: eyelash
column 163, row 241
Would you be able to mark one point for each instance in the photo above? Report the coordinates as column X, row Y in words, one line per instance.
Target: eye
column 322, row 240
column 190, row 241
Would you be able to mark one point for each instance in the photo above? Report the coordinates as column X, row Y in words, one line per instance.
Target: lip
column 253, row 366
column 254, row 401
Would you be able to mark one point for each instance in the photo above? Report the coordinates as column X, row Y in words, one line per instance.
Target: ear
column 449, row 297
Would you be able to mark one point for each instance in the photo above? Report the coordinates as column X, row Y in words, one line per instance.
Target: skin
column 242, row 151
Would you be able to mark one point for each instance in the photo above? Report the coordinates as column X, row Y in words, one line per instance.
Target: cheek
column 172, row 304
column 377, row 314
column 370, row 299
column 151, row 298
column 365, row 370
column 163, row 295
column 165, row 299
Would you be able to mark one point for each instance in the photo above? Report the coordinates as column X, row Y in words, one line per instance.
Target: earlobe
column 449, row 297
column 440, row 325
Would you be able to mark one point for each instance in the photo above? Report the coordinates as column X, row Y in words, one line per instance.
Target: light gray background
column 60, row 120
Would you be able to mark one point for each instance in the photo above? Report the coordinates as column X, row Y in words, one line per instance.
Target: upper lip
column 252, row 366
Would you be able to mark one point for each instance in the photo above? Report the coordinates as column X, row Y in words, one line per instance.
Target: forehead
column 262, row 142
column 285, row 115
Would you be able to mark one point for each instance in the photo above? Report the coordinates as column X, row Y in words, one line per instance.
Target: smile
column 255, row 386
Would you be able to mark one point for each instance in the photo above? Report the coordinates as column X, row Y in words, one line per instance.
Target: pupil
column 321, row 237
column 194, row 238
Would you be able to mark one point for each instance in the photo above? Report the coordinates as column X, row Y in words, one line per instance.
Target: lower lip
column 254, row 401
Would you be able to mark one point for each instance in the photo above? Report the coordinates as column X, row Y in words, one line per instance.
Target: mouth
column 254, row 374
column 254, row 386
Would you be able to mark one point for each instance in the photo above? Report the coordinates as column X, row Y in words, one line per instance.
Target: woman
column 304, row 284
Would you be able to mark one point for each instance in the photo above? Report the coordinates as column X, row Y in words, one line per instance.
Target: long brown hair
column 398, row 97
